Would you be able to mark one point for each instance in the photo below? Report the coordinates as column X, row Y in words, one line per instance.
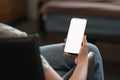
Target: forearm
column 80, row 72
column 51, row 74
column 81, row 60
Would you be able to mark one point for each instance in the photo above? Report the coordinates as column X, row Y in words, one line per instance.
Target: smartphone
column 75, row 35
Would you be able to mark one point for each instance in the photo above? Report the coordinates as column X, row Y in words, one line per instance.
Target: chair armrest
column 91, row 66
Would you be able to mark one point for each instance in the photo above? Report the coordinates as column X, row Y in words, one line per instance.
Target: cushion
column 9, row 31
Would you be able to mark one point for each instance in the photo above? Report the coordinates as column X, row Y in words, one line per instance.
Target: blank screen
column 75, row 35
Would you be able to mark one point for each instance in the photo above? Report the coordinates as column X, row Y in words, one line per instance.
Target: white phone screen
column 75, row 35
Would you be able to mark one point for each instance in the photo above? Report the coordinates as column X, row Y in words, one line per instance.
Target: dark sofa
column 103, row 17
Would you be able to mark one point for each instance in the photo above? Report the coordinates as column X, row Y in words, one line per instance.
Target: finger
column 65, row 40
column 85, row 40
column 70, row 55
column 63, row 45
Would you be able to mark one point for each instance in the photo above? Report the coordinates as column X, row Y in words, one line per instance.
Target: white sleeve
column 44, row 63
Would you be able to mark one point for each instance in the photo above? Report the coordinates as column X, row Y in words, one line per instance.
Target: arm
column 50, row 74
column 80, row 71
column 81, row 60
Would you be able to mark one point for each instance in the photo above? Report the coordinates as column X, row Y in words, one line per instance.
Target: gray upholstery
column 62, row 64
column 53, row 54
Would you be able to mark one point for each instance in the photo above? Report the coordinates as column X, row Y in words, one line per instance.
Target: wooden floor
column 110, row 52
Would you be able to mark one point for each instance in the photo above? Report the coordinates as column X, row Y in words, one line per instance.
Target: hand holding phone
column 75, row 35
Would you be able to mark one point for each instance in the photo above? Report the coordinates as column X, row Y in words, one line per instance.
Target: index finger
column 85, row 40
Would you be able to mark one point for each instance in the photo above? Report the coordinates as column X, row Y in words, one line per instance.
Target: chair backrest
column 20, row 59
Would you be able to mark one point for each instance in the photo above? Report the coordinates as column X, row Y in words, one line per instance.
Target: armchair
column 63, row 65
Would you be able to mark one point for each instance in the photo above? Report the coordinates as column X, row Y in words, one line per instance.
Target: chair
column 54, row 55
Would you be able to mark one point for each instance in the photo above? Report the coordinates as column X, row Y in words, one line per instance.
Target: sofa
column 103, row 17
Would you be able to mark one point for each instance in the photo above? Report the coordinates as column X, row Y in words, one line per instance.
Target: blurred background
column 50, row 19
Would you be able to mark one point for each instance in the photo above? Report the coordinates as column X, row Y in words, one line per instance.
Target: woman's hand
column 81, row 60
column 82, row 53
